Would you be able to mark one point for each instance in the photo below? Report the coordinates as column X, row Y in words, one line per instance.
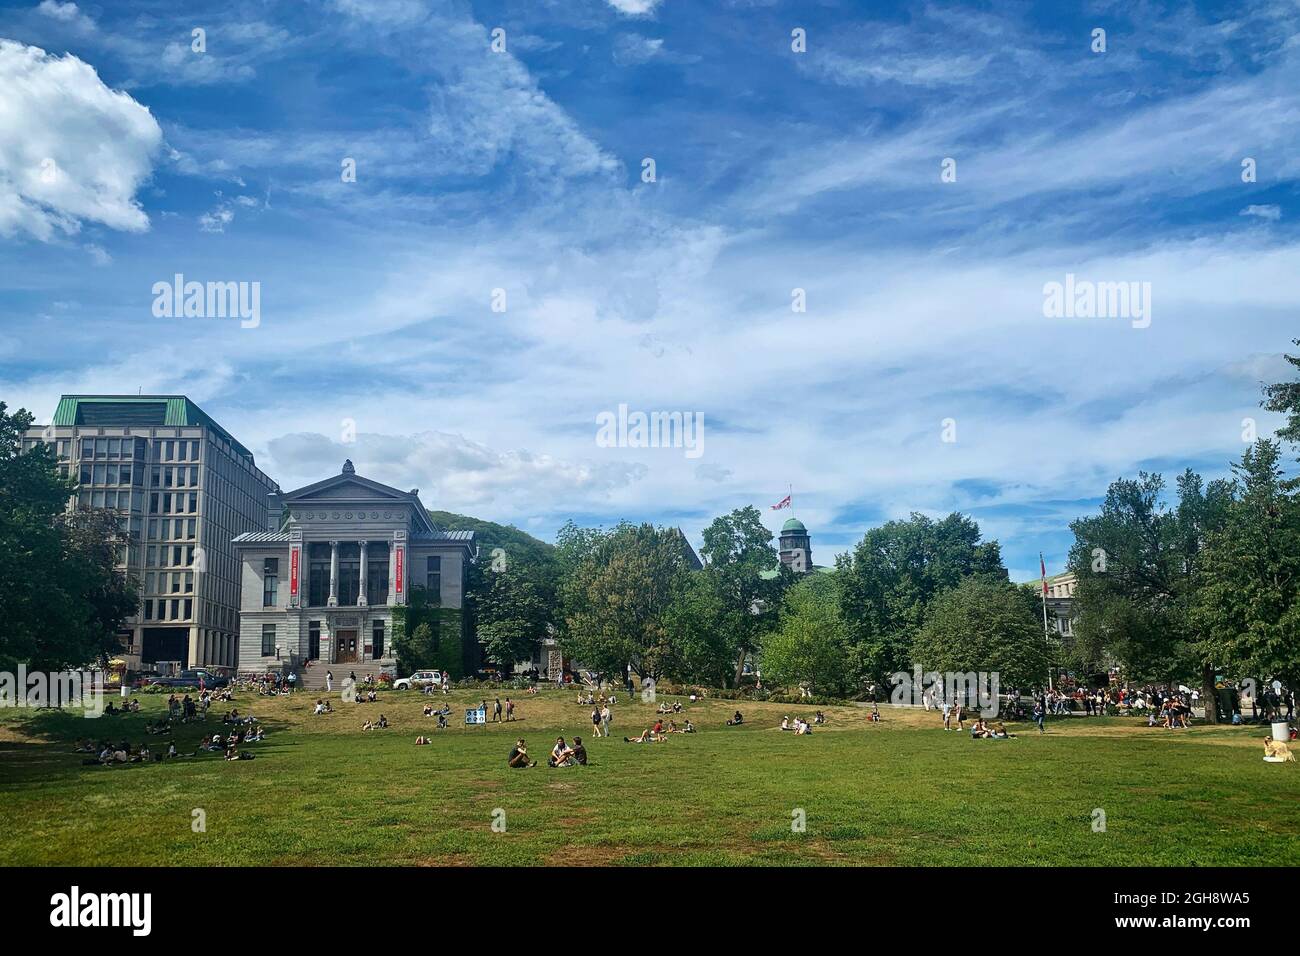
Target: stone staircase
column 312, row 679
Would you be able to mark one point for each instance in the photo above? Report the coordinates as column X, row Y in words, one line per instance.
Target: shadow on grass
column 48, row 754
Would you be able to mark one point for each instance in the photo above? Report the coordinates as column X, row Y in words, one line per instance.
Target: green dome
column 794, row 524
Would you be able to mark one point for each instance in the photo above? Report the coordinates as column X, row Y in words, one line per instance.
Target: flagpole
column 1046, row 639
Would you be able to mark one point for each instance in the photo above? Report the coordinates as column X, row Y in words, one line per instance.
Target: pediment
column 351, row 489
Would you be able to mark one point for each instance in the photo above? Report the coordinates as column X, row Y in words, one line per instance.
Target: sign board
column 476, row 716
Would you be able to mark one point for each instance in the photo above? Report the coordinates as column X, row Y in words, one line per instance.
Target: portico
column 322, row 587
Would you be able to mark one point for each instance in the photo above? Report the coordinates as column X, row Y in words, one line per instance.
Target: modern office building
column 322, row 586
column 183, row 487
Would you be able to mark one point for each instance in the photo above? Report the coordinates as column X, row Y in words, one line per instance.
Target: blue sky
column 775, row 170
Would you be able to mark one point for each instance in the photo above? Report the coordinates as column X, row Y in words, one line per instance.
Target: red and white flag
column 1043, row 570
column 783, row 503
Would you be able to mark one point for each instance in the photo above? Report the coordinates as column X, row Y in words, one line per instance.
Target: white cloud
column 1270, row 212
column 67, row 12
column 450, row 469
column 635, row 8
column 71, row 149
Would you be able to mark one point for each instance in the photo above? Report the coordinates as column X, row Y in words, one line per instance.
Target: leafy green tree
column 61, row 599
column 1248, row 600
column 984, row 624
column 1137, row 564
column 1285, row 397
column 510, row 614
column 737, row 551
column 892, row 575
column 701, row 648
column 810, row 646
column 616, row 600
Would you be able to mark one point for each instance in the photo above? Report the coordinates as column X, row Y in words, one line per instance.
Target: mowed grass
column 322, row 792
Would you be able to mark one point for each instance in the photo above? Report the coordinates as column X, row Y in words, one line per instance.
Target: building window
column 349, row 574
column 268, row 640
column 313, row 640
column 270, row 582
column 377, row 635
column 377, row 574
column 433, row 580
column 319, row 575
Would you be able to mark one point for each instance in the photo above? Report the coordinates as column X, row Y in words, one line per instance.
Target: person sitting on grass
column 820, row 718
column 320, row 708
column 689, row 728
column 518, row 758
column 736, row 720
column 254, row 733
column 979, row 729
column 578, row 752
column 368, row 725
column 442, row 718
column 110, row 710
column 382, row 723
column 658, row 728
column 785, row 723
column 801, row 726
column 560, row 754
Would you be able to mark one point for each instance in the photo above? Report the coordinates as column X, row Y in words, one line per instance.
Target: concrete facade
column 322, row 587
column 182, row 486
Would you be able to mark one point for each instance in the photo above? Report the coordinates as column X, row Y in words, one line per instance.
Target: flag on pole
column 1043, row 570
column 783, row 503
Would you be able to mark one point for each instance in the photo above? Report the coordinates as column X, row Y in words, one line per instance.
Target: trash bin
column 1281, row 730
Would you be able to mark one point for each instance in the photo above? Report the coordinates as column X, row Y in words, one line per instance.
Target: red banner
column 293, row 571
column 401, row 552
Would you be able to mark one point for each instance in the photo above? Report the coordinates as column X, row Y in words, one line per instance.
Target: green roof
column 793, row 524
column 126, row 410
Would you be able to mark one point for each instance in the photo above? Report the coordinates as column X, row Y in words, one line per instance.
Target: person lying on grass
column 647, row 737
column 736, row 720
column 518, row 758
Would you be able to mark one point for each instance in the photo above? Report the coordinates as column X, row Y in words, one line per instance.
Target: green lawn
column 900, row 792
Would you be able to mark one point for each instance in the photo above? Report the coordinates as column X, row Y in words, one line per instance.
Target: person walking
column 496, row 711
column 329, row 680
column 595, row 721
column 1039, row 713
column 947, row 715
column 605, row 718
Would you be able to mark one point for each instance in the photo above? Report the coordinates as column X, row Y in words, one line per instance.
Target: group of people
column 106, row 754
column 798, row 725
column 996, row 731
column 562, row 755
column 131, row 706
column 659, row 733
column 500, row 712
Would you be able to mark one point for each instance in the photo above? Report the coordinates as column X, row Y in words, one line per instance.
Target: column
column 361, row 591
column 334, row 574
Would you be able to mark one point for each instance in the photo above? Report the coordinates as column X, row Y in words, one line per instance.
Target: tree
column 1137, row 563
column 986, row 625
column 616, row 597
column 737, row 551
column 701, row 647
column 810, row 646
column 1248, row 600
column 892, row 575
column 62, row 600
column 510, row 615
column 1285, row 397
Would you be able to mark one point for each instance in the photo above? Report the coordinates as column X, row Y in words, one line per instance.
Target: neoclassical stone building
column 323, row 586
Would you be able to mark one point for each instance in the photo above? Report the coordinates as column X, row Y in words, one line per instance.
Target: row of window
column 174, row 609
column 313, row 639
column 110, row 448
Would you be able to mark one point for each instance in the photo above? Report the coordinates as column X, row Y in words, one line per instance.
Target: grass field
column 903, row 791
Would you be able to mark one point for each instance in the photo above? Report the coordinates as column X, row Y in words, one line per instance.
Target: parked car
column 190, row 678
column 418, row 679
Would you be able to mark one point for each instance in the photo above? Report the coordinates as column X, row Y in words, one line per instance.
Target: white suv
column 418, row 679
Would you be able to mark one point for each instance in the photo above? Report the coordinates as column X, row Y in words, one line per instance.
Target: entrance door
column 347, row 647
